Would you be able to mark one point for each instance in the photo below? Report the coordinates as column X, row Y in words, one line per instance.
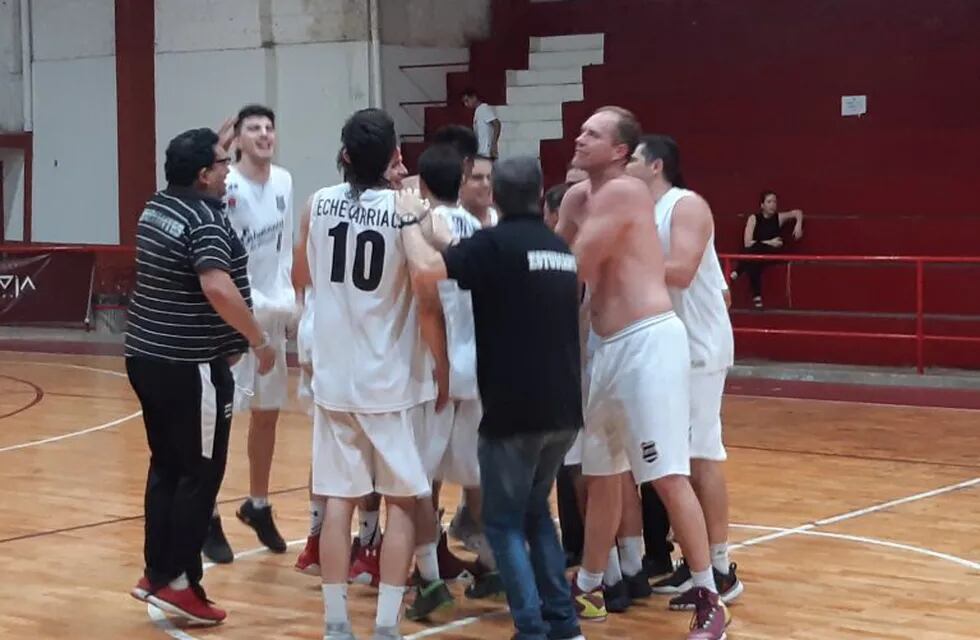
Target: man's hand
column 226, row 133
column 797, row 232
column 265, row 354
column 409, row 202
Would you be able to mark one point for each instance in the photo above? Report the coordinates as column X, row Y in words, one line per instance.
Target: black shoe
column 657, row 567
column 617, row 597
column 261, row 521
column 676, row 583
column 216, row 547
column 638, row 586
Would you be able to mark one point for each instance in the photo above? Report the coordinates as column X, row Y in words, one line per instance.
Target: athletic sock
column 614, row 573
column 587, row 582
column 259, row 503
column 180, row 583
column 719, row 558
column 631, row 555
column 389, row 605
column 704, row 579
column 335, row 603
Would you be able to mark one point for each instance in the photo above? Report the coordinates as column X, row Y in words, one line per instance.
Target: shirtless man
column 638, row 410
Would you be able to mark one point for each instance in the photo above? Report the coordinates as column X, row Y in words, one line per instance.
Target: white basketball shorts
column 638, row 414
column 254, row 391
column 355, row 454
column 707, row 389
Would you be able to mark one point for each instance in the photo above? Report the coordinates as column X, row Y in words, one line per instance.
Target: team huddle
column 390, row 376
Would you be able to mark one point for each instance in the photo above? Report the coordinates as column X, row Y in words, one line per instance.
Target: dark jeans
column 188, row 442
column 755, row 267
column 517, row 474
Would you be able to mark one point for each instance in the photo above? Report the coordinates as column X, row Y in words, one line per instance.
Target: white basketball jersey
column 457, row 307
column 262, row 216
column 701, row 306
column 368, row 354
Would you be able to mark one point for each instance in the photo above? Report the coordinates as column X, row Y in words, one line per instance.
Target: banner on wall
column 53, row 287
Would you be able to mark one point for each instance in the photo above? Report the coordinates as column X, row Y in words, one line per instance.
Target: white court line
column 73, row 434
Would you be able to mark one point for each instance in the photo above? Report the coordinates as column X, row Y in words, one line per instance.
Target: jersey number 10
column 370, row 280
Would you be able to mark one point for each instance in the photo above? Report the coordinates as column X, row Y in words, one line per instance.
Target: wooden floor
column 857, row 520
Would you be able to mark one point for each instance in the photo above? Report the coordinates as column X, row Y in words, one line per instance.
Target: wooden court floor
column 854, row 520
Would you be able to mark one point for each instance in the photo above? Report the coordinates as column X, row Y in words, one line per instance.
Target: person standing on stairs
column 485, row 123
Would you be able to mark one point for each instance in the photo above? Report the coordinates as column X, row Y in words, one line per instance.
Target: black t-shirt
column 766, row 228
column 525, row 306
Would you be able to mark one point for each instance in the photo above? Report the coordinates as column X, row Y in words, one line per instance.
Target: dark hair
column 441, row 169
column 462, row 139
column 554, row 196
column 368, row 138
column 661, row 147
column 470, row 92
column 187, row 154
column 251, row 110
column 766, row 194
column 517, row 186
column 627, row 129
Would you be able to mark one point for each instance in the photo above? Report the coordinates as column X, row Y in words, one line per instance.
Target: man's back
column 367, row 354
column 617, row 245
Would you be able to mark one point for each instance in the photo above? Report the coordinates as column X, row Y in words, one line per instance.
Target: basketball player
column 638, row 411
column 475, row 195
column 695, row 283
column 371, row 372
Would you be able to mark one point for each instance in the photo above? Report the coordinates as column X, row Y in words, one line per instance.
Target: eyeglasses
column 222, row 161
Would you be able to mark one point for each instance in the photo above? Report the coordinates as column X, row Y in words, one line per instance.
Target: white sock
column 484, row 554
column 389, row 605
column 586, row 581
column 704, row 579
column 631, row 555
column 335, row 603
column 719, row 558
column 317, row 507
column 180, row 583
column 259, row 503
column 368, row 534
column 428, row 561
column 614, row 573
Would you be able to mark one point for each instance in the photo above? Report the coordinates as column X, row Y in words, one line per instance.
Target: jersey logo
column 281, row 203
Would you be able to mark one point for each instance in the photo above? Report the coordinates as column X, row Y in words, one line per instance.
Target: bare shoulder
column 624, row 192
column 573, row 204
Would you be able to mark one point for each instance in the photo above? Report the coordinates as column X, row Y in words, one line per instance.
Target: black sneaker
column 487, row 585
column 216, row 547
column 261, row 521
column 617, row 597
column 677, row 582
column 729, row 586
column 658, row 567
column 638, row 586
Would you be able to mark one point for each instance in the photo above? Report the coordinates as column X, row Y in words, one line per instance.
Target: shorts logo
column 649, row 452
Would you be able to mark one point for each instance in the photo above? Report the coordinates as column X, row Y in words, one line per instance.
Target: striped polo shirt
column 180, row 234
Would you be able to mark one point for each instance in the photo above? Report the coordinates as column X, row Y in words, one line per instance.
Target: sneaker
column 729, row 586
column 338, row 631
column 430, row 598
column 617, row 597
column 261, row 521
column 216, row 547
column 711, row 617
column 387, row 633
column 452, row 567
column 365, row 566
column 308, row 561
column 677, row 582
column 191, row 603
column 638, row 586
column 591, row 606
column 657, row 568
column 142, row 590
column 486, row 585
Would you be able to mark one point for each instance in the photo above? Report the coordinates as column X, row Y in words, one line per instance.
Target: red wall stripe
column 135, row 111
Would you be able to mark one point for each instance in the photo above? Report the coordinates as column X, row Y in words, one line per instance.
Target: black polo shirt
column 180, row 234
column 525, row 305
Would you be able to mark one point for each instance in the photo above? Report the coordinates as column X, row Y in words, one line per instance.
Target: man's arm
column 495, row 129
column 797, row 215
column 690, row 231
column 570, row 212
column 602, row 228
column 301, row 263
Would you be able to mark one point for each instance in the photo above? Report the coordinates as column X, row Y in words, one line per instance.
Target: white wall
column 75, row 191
column 11, row 79
column 13, row 193
column 416, row 85
column 434, row 23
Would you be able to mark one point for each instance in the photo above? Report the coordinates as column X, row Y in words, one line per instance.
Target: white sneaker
column 338, row 631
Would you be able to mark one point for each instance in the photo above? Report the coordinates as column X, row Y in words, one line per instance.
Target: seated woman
column 762, row 235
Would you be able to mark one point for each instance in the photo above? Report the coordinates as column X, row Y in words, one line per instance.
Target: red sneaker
column 452, row 567
column 191, row 603
column 142, row 589
column 308, row 561
column 365, row 566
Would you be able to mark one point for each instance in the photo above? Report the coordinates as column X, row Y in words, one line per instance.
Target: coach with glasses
column 189, row 318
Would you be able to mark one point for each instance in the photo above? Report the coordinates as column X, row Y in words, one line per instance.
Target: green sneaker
column 430, row 598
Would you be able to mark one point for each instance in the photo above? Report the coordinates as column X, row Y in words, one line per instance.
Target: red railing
column 919, row 262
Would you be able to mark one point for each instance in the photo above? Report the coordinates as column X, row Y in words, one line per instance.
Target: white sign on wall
column 853, row 105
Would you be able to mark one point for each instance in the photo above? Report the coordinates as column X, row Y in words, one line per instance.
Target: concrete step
column 531, row 130
column 572, row 75
column 564, row 59
column 525, row 112
column 549, row 93
column 568, row 43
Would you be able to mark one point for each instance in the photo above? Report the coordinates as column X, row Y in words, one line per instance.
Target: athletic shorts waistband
column 639, row 325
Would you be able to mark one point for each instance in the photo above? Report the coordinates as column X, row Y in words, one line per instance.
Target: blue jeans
column 516, row 475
